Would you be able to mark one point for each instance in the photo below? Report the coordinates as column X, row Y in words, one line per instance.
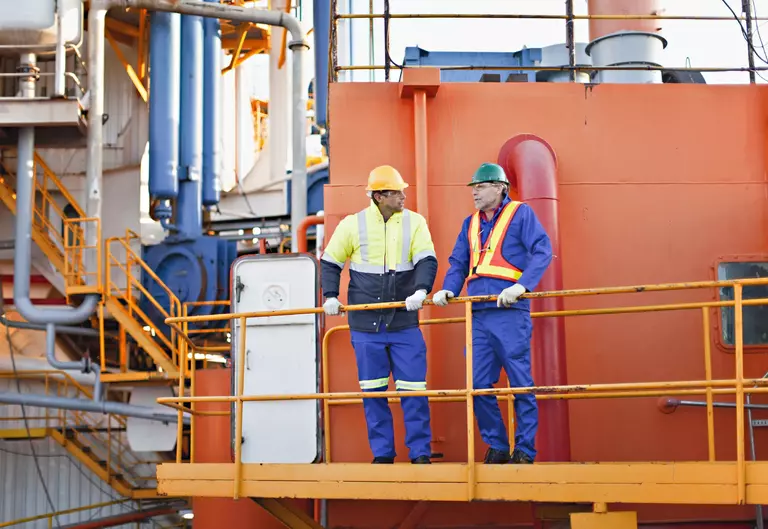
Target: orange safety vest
column 492, row 263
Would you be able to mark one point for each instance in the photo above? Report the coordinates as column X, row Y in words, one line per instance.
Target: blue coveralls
column 404, row 354
column 501, row 337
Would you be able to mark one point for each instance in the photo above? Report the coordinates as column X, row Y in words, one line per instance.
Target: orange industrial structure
column 653, row 196
column 636, row 185
column 655, row 184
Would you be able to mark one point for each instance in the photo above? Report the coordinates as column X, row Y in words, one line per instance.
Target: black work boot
column 421, row 460
column 383, row 460
column 497, row 457
column 521, row 458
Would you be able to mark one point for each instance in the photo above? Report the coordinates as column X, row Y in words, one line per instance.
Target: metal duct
column 189, row 206
column 212, row 123
column 600, row 28
column 626, row 43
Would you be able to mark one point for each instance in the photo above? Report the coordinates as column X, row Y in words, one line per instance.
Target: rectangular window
column 755, row 317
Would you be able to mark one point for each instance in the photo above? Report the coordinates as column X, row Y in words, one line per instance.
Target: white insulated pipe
column 278, row 137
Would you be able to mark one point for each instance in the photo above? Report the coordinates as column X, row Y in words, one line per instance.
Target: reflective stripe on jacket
column 388, row 261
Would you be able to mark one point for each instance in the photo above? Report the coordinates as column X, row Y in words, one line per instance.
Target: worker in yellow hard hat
column 392, row 258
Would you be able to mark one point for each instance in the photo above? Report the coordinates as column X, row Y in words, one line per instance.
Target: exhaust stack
column 626, row 42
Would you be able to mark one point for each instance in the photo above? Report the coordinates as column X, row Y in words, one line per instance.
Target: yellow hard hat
column 385, row 178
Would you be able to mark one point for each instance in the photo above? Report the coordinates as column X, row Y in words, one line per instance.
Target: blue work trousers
column 501, row 338
column 404, row 354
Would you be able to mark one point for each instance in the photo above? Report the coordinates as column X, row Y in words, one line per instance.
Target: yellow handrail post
column 239, row 405
column 470, row 403
column 708, row 378
column 739, row 353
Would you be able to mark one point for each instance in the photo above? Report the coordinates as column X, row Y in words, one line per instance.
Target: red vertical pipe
column 531, row 166
column 301, row 231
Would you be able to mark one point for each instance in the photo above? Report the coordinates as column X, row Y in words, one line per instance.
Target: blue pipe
column 211, row 111
column 321, row 10
column 164, row 61
column 189, row 211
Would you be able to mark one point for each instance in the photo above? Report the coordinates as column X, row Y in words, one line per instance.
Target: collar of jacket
column 379, row 217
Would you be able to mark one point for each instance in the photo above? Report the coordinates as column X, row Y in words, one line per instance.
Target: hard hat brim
column 372, row 189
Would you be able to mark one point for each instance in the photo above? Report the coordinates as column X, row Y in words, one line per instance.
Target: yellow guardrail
column 77, row 277
column 707, row 387
column 127, row 265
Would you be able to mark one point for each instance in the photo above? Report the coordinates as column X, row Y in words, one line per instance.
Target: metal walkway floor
column 681, row 483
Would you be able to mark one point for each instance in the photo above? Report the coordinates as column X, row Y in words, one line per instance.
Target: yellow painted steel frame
column 136, row 78
column 710, row 482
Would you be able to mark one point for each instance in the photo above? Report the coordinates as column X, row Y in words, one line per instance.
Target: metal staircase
column 98, row 441
column 46, row 211
column 120, row 286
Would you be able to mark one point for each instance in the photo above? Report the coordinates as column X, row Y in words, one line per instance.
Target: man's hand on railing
column 509, row 296
column 332, row 306
column 441, row 298
column 415, row 300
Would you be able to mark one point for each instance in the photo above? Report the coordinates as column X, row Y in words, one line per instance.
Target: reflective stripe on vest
column 488, row 261
column 365, row 266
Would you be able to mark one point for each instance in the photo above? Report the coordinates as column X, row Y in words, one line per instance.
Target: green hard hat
column 489, row 172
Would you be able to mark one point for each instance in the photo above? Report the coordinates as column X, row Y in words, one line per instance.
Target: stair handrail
column 173, row 342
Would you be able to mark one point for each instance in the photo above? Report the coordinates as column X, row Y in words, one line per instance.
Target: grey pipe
column 95, row 142
column 716, row 404
column 85, row 365
column 62, row 329
column 298, row 45
column 59, row 85
column 299, row 170
column 63, row 403
column 22, row 258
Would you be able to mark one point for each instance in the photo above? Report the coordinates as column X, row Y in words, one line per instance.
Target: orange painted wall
column 213, row 440
column 657, row 182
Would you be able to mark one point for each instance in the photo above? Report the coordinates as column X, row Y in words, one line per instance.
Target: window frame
column 716, row 327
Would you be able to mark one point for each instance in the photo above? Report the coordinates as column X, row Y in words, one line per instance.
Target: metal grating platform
column 57, row 122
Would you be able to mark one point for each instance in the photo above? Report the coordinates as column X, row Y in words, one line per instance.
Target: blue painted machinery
column 415, row 56
column 184, row 163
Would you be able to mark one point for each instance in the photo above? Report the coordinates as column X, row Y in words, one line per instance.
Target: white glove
column 441, row 298
column 509, row 295
column 331, row 306
column 414, row 301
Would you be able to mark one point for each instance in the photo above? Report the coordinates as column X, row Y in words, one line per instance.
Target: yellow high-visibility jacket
column 388, row 261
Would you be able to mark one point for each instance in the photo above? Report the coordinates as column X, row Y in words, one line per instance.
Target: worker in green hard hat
column 502, row 250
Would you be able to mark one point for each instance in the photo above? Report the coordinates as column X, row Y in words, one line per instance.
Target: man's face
column 393, row 200
column 486, row 195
